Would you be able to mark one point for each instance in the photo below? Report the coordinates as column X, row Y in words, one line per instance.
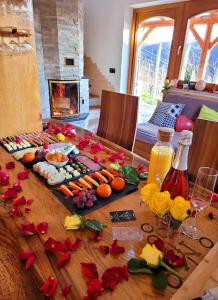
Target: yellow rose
column 151, row 255
column 60, row 137
column 160, row 203
column 180, row 208
column 148, row 191
column 72, row 222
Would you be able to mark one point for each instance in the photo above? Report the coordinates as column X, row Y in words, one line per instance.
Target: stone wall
column 59, row 35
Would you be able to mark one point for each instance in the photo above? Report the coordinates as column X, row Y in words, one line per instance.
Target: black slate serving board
column 68, row 203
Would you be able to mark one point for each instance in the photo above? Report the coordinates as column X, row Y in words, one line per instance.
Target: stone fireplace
column 60, row 55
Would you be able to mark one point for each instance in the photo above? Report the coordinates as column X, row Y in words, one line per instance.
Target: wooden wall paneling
column 19, row 86
column 203, row 151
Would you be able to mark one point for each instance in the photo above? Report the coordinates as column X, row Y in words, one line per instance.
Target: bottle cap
column 165, row 134
column 185, row 138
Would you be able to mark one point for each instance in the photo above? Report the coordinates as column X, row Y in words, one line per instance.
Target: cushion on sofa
column 166, row 113
column 147, row 132
column 207, row 113
column 192, row 103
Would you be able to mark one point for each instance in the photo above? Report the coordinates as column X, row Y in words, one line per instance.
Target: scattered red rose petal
column 112, row 276
column 9, row 194
column 29, row 257
column 29, row 202
column 15, row 212
column 23, row 175
column 84, row 142
column 97, row 236
column 19, row 201
column 173, row 259
column 18, row 140
column 96, row 159
column 116, row 249
column 28, row 229
column 94, row 289
column 65, row 291
column 4, row 178
column 72, row 246
column 10, row 165
column 211, row 216
column 42, row 228
column 27, row 210
column 49, row 287
column 96, row 147
column 215, row 198
column 160, row 245
column 193, row 213
column 62, row 260
column 113, row 157
column 103, row 161
column 89, row 270
column 45, row 146
column 104, row 249
column 141, row 169
column 54, row 246
column 17, row 187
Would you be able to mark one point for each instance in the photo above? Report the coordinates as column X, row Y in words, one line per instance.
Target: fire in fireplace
column 64, row 98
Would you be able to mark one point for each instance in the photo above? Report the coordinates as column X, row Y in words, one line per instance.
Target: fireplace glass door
column 64, row 98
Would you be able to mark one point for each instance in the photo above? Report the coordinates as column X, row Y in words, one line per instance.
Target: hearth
column 64, row 98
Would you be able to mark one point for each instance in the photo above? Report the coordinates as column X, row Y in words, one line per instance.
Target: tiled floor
column 91, row 122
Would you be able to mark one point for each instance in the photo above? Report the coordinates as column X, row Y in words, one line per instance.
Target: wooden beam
column 145, row 35
column 213, row 43
column 197, row 36
column 204, row 53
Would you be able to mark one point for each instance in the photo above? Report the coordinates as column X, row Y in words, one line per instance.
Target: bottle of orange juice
column 161, row 156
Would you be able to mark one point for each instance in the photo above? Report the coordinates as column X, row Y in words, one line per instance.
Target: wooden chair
column 118, row 118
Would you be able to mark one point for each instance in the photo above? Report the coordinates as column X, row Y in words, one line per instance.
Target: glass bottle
column 176, row 181
column 161, row 156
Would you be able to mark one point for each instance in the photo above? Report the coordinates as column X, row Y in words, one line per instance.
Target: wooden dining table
column 16, row 283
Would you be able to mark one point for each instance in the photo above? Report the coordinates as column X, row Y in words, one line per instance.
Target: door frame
column 180, row 12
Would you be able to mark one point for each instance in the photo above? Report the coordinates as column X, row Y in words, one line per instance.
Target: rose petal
column 54, row 246
column 96, row 147
column 97, row 236
column 15, row 212
column 26, row 254
column 96, row 159
column 28, row 229
column 170, row 257
column 112, row 276
column 141, row 169
column 42, row 227
column 29, row 262
column 10, row 165
column 179, row 261
column 62, row 260
column 65, row 291
column 116, row 249
column 17, row 187
column 19, row 201
column 93, row 286
column 104, row 249
column 27, row 210
column 29, row 202
column 45, row 146
column 9, row 194
column 4, row 178
column 160, row 245
column 49, row 287
column 72, row 246
column 89, row 270
column 23, row 175
column 18, row 140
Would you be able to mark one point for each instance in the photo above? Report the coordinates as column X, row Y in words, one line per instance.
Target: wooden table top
column 46, row 207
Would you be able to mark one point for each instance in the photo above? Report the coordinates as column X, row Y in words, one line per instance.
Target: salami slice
column 88, row 162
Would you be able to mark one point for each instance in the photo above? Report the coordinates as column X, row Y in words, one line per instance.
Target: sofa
column 146, row 133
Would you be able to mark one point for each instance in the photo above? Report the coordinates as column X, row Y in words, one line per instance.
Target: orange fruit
column 104, row 190
column 118, row 184
column 28, row 157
